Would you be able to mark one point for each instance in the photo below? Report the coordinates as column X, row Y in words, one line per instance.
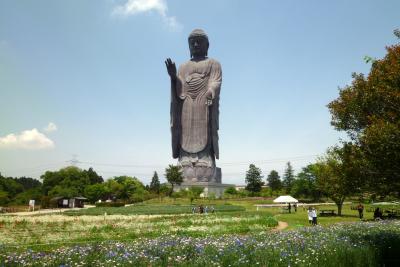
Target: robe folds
column 194, row 124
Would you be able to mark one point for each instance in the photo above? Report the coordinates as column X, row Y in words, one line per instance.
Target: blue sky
column 87, row 78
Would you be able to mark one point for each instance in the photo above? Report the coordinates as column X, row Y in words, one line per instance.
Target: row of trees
column 73, row 181
column 18, row 190
column 303, row 185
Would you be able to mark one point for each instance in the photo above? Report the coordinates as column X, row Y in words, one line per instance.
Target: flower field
column 20, row 231
column 343, row 244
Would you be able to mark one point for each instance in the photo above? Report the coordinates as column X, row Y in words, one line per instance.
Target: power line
column 122, row 165
column 74, row 161
column 37, row 167
column 265, row 161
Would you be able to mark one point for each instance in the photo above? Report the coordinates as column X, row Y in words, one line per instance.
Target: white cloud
column 29, row 139
column 51, row 127
column 133, row 7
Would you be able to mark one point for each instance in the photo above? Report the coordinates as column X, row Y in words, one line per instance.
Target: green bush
column 110, row 204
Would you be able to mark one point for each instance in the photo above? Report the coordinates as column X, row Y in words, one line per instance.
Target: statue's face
column 198, row 46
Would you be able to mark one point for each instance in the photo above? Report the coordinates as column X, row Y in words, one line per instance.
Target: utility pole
column 74, row 161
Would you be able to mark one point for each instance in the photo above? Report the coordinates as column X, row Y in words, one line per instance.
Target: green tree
column 336, row 176
column 95, row 192
column 69, row 180
column 155, row 184
column 368, row 110
column 19, row 190
column 254, row 179
column 140, row 195
column 94, row 178
column 288, row 178
column 128, row 187
column 24, row 197
column 273, row 180
column 164, row 190
column 305, row 185
column 4, row 197
column 59, row 190
column 113, row 188
column 195, row 192
column 28, row 183
column 174, row 176
column 10, row 186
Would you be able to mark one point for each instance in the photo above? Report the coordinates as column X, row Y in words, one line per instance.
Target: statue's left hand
column 171, row 68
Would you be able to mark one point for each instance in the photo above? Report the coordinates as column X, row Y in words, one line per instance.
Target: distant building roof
column 58, row 198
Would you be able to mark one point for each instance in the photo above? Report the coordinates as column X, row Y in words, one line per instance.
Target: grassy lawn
column 300, row 218
column 182, row 206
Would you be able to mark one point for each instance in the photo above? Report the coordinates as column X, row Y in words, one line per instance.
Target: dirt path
column 281, row 226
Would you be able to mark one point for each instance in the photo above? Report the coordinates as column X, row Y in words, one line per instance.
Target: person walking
column 360, row 209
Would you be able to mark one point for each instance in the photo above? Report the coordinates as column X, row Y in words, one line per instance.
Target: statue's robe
column 194, row 125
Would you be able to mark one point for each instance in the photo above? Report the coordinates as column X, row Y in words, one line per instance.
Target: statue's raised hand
column 171, row 68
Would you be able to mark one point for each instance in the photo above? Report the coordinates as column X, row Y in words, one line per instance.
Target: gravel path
column 281, row 226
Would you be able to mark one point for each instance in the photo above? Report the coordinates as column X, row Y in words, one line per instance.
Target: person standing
column 360, row 209
column 289, row 208
column 309, row 213
column 377, row 214
column 314, row 216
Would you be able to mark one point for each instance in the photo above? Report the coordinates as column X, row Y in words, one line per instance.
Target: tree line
column 303, row 185
column 73, row 182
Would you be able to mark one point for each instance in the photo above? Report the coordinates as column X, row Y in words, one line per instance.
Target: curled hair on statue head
column 198, row 33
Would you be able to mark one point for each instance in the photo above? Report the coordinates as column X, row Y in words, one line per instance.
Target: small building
column 65, row 202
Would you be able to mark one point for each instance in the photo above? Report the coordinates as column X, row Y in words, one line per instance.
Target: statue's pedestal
column 210, row 188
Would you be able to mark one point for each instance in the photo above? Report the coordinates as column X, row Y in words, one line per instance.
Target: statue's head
column 198, row 43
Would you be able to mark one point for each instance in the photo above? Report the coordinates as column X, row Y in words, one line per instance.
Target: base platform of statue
column 210, row 188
